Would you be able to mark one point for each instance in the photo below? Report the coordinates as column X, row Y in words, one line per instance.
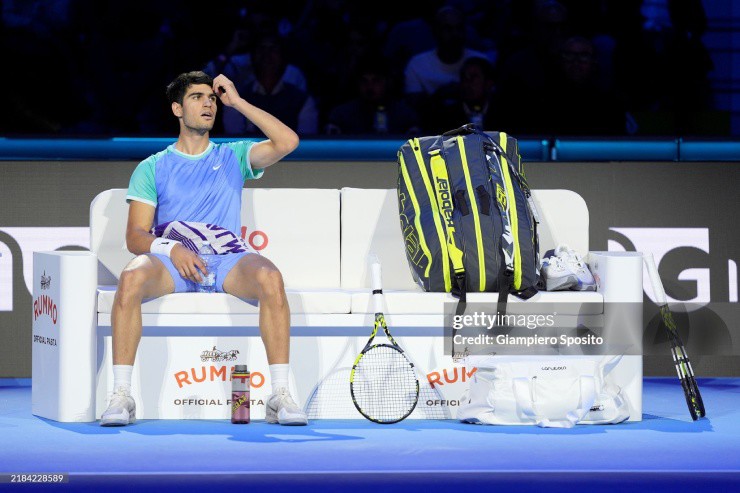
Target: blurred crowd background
column 341, row 67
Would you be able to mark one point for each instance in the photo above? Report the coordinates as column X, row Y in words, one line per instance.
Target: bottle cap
column 240, row 368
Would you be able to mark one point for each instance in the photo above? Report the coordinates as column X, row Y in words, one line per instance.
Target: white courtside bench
column 319, row 239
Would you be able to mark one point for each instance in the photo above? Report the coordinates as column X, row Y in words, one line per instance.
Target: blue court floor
column 664, row 452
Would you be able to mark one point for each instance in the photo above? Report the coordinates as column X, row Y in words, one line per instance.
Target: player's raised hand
column 225, row 90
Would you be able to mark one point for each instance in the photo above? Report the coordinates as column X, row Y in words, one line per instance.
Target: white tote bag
column 557, row 391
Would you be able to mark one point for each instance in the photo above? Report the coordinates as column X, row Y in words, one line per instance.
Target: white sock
column 279, row 376
column 122, row 377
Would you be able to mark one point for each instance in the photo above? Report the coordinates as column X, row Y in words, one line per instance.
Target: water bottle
column 381, row 121
column 208, row 256
column 240, row 395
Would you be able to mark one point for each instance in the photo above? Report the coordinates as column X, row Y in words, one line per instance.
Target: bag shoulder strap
column 445, row 205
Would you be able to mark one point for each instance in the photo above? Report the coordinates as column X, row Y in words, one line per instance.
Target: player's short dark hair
column 177, row 88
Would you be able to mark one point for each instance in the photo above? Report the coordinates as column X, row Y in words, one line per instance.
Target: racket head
column 383, row 384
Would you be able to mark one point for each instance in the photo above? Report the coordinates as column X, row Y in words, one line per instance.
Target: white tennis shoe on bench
column 558, row 276
column 281, row 408
column 121, row 410
column 576, row 264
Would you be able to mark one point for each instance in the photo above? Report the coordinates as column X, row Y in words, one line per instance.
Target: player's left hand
column 225, row 90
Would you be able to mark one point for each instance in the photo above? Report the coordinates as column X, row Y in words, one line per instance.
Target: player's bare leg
column 144, row 277
column 255, row 277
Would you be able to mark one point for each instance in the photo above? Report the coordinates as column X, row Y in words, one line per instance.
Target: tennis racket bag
column 466, row 214
column 555, row 392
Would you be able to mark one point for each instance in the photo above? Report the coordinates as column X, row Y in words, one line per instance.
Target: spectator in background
column 374, row 110
column 358, row 42
column 410, row 35
column 591, row 19
column 475, row 102
column 576, row 104
column 269, row 91
column 319, row 40
column 527, row 73
column 482, row 19
column 439, row 69
column 235, row 62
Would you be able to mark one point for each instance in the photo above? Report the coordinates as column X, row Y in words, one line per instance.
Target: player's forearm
column 282, row 136
column 139, row 241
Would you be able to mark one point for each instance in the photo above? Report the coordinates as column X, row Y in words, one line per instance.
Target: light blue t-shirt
column 203, row 188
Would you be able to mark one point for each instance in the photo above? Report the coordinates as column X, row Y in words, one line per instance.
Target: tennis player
column 198, row 181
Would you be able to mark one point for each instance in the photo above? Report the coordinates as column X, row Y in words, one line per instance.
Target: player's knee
column 271, row 284
column 131, row 285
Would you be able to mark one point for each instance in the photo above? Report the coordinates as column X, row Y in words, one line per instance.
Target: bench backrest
column 297, row 229
column 370, row 222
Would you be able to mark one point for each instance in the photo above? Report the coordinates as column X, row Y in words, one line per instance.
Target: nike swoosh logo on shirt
column 215, row 168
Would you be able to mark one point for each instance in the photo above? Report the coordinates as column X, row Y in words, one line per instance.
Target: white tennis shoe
column 281, row 408
column 121, row 410
column 558, row 276
column 576, row 264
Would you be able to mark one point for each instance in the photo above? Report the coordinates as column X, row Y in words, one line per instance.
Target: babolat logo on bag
column 443, row 190
column 464, row 197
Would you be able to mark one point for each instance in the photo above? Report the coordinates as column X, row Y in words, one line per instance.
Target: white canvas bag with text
column 556, row 391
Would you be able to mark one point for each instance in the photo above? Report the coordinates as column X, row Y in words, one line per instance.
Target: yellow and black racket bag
column 467, row 218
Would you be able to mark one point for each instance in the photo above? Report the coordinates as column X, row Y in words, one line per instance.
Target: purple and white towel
column 191, row 234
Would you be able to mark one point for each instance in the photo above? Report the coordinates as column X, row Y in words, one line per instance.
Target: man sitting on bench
column 197, row 181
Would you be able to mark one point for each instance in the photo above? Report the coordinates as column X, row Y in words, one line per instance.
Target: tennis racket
column 680, row 357
column 383, row 381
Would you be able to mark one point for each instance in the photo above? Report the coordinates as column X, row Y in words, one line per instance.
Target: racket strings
column 331, row 398
column 385, row 387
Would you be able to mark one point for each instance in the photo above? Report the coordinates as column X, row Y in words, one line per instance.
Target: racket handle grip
column 658, row 291
column 377, row 282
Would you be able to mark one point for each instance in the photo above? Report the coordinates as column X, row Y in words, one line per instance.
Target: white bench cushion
column 562, row 302
column 300, row 301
